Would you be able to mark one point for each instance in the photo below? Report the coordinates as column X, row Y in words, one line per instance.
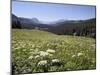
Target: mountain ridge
column 61, row 27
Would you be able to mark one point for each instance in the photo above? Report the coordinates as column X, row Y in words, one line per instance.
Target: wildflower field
column 40, row 51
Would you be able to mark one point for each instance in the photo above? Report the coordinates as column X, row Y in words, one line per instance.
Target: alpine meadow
column 49, row 40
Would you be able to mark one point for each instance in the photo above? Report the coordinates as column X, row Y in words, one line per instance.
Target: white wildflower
column 51, row 51
column 43, row 62
column 73, row 56
column 37, row 56
column 30, row 57
column 79, row 54
column 55, row 60
column 42, row 53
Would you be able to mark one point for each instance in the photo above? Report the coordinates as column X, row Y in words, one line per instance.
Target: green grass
column 73, row 52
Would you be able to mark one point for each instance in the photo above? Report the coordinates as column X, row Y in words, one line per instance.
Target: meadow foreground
column 39, row 51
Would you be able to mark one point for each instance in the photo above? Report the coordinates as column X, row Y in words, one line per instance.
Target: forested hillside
column 66, row 27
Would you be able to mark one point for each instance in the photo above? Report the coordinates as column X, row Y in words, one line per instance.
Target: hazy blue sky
column 52, row 12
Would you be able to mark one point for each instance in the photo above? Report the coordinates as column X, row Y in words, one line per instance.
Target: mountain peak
column 35, row 20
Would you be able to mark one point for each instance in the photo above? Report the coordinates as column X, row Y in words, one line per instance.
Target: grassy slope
column 67, row 48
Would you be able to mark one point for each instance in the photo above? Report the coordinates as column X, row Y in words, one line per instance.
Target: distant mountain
column 26, row 23
column 62, row 21
column 60, row 27
column 35, row 20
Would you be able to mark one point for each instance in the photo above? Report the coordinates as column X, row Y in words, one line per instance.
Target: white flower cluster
column 73, row 56
column 42, row 63
column 51, row 51
column 55, row 61
column 79, row 54
column 37, row 56
column 30, row 57
column 42, row 53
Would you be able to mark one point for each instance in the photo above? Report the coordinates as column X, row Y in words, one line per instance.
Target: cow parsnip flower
column 79, row 54
column 43, row 62
column 30, row 57
column 37, row 56
column 55, row 60
column 42, row 53
column 50, row 51
column 73, row 56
